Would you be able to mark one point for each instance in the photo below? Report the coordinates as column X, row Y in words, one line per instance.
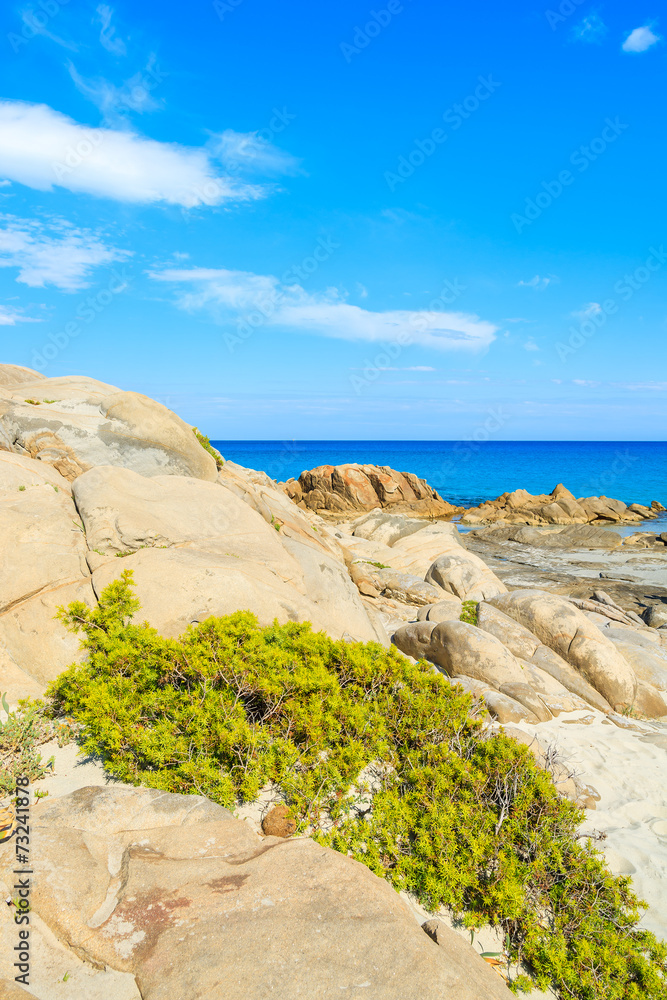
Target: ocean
column 467, row 472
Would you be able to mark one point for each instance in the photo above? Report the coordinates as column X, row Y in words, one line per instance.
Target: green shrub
column 457, row 815
column 469, row 612
column 207, row 446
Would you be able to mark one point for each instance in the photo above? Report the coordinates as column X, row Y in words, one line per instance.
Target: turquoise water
column 467, row 472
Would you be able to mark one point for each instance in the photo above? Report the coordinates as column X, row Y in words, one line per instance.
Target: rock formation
column 557, row 507
column 339, row 489
column 171, row 892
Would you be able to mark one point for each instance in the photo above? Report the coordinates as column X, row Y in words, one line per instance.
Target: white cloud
column 108, row 37
column 592, row 29
column 640, row 39
column 53, row 253
column 10, row 317
column 589, row 310
column 247, row 152
column 41, row 148
column 262, row 300
column 530, row 345
column 538, row 282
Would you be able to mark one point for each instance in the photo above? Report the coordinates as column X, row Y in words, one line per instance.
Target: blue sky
column 412, row 220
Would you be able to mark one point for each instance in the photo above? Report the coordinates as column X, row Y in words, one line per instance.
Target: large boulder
column 342, row 488
column 564, row 687
column 175, row 891
column 567, row 631
column 75, row 424
column 465, row 575
column 459, row 648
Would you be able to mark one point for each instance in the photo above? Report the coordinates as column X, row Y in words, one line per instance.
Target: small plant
column 50, row 401
column 39, row 794
column 126, row 552
column 378, row 565
column 469, row 612
column 56, row 488
column 276, row 524
column 33, row 402
column 21, row 488
column 20, row 735
column 207, row 446
column 66, row 977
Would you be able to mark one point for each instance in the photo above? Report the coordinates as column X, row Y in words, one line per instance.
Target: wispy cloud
column 239, row 295
column 10, row 317
column 41, row 148
column 53, row 253
column 108, row 37
column 589, row 310
column 38, row 26
column 539, row 282
column 116, row 102
column 592, row 29
column 247, row 152
column 530, row 345
column 640, row 39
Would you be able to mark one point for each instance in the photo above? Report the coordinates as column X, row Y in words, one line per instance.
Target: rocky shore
column 555, row 623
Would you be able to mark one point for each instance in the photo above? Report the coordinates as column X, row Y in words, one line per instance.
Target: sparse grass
column 458, row 815
column 469, row 612
column 207, row 446
column 21, row 489
column 33, row 402
column 21, row 734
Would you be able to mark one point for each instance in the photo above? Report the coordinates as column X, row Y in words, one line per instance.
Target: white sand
column 628, row 767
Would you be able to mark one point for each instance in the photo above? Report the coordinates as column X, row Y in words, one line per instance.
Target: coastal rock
column 124, row 884
column 568, row 632
column 405, row 587
column 557, row 507
column 414, row 639
column 75, row 423
column 459, row 648
column 465, row 575
column 499, row 706
column 342, row 488
column 656, row 615
column 446, row 609
column 42, row 544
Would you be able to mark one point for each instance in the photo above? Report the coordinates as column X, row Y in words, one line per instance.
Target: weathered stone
column 558, row 507
column 91, row 423
column 414, row 639
column 129, row 892
column 526, row 696
column 405, row 587
column 464, row 574
column 18, row 471
column 446, row 609
column 41, row 541
column 459, row 648
column 656, row 615
column 338, row 488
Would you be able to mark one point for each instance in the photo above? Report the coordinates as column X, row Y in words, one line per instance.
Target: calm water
column 466, row 473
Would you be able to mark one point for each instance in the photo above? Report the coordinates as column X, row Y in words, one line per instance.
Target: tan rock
column 568, row 632
column 245, row 907
column 18, row 470
column 278, row 823
column 459, row 648
column 91, row 423
column 414, row 639
column 42, row 544
column 446, row 609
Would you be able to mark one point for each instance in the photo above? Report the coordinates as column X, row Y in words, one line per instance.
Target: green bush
column 458, row 816
column 207, row 446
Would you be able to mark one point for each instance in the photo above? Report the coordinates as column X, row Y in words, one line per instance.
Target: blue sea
column 467, row 472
